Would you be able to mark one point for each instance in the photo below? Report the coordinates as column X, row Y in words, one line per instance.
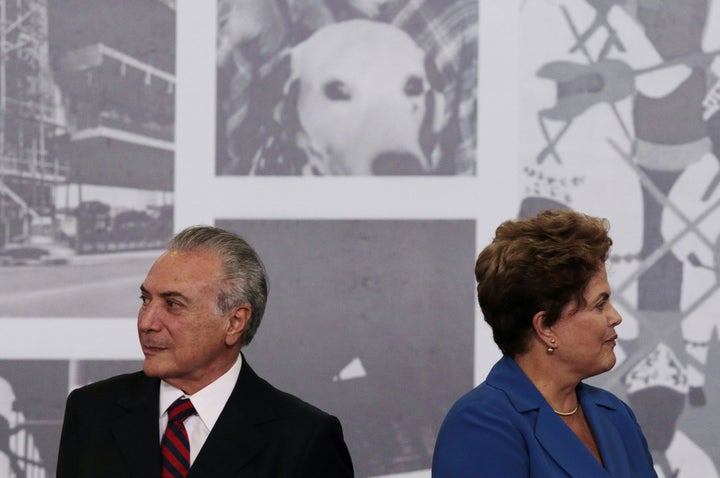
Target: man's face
column 183, row 339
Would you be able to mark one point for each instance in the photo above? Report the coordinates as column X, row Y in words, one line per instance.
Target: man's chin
column 153, row 369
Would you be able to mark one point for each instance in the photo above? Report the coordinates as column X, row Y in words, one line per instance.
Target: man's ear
column 237, row 323
column 543, row 332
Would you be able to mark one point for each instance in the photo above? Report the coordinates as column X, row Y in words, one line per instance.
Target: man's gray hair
column 245, row 276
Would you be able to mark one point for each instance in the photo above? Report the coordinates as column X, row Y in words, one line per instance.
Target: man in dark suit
column 202, row 301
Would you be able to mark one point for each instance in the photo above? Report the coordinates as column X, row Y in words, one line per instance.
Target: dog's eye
column 336, row 90
column 414, row 86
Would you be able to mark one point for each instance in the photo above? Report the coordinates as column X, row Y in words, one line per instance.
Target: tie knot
column 180, row 410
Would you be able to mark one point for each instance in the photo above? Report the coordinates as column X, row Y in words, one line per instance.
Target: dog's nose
column 397, row 164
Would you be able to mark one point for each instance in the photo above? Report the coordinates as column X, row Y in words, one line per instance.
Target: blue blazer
column 504, row 428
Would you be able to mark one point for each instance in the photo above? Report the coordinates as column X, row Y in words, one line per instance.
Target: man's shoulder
column 113, row 385
column 289, row 406
column 255, row 391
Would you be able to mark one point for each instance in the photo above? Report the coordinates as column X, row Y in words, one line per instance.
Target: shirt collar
column 209, row 401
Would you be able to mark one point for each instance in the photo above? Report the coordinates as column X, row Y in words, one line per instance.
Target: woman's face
column 586, row 335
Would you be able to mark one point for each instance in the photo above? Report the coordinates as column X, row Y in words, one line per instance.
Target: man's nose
column 147, row 318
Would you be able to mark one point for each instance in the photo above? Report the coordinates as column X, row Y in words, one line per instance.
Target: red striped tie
column 175, row 446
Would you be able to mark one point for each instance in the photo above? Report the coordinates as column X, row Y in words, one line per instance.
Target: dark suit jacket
column 504, row 428
column 111, row 431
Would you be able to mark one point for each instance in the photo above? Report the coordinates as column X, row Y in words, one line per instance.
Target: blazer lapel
column 565, row 447
column 556, row 438
column 137, row 431
column 601, row 416
column 236, row 437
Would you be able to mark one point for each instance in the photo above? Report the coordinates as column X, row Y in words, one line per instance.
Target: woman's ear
column 543, row 332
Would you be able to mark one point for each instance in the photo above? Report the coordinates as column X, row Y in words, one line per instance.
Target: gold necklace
column 568, row 414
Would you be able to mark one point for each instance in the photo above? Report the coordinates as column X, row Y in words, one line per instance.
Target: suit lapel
column 237, row 435
column 137, row 431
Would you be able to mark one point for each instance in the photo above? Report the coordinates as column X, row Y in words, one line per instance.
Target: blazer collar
column 238, row 435
column 558, row 440
column 606, row 423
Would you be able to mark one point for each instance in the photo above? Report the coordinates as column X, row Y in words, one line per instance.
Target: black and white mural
column 125, row 121
column 91, row 174
column 620, row 119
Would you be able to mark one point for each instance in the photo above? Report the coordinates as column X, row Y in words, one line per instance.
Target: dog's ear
column 276, row 81
column 285, row 112
column 437, row 91
column 437, row 82
column 279, row 154
column 434, row 120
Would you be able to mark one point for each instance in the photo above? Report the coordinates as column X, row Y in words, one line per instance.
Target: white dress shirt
column 208, row 402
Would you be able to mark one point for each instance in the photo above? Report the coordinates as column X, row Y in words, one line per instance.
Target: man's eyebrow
column 172, row 293
column 164, row 295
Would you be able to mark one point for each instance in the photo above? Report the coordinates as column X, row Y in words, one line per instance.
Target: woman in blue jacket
column 543, row 288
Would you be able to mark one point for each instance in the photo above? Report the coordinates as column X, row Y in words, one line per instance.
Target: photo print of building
column 86, row 145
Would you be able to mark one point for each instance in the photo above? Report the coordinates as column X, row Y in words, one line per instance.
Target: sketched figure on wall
column 692, row 226
column 629, row 79
column 389, row 111
column 670, row 132
column 673, row 149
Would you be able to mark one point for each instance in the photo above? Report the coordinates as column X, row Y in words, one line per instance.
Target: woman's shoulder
column 484, row 394
column 484, row 403
column 603, row 398
column 599, row 394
